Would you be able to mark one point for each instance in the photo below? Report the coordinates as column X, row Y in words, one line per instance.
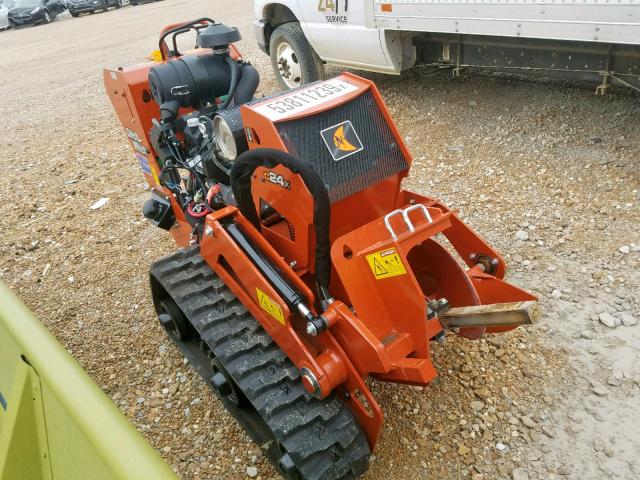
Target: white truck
column 579, row 39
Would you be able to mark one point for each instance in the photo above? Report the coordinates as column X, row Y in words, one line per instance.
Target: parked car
column 34, row 12
column 4, row 18
column 138, row 2
column 76, row 7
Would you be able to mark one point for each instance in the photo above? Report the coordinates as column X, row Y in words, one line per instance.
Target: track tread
column 321, row 436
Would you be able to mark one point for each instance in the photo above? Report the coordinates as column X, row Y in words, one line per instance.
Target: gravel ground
column 549, row 173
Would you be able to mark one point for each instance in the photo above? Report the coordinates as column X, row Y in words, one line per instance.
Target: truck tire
column 293, row 59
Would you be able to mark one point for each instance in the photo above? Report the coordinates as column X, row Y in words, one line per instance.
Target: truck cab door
column 336, row 30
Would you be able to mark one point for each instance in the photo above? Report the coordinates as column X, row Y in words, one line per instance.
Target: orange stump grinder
column 303, row 267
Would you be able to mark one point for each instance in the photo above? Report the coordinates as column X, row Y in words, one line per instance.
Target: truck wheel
column 293, row 59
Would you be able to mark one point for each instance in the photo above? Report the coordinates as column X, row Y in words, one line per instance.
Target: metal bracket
column 405, row 217
column 419, row 206
column 388, row 224
column 604, row 86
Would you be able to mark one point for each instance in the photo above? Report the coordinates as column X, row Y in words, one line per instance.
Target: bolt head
column 220, row 383
column 208, row 231
column 311, row 329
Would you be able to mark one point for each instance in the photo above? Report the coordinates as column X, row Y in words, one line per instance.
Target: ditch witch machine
column 304, row 268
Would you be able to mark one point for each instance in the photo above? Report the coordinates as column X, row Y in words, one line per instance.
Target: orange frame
column 377, row 326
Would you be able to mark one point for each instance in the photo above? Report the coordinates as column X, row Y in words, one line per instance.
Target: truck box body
column 593, row 40
column 584, row 21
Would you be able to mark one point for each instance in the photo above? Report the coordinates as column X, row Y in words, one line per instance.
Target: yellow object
column 155, row 56
column 341, row 142
column 55, row 422
column 270, row 306
column 155, row 175
column 386, row 263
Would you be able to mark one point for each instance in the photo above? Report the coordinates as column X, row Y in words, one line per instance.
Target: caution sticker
column 386, row 263
column 270, row 306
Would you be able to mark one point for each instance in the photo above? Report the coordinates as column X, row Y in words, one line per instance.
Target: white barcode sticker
column 294, row 103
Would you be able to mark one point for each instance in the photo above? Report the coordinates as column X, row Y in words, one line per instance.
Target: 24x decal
column 277, row 179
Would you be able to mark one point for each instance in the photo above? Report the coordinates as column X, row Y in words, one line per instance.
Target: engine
column 198, row 133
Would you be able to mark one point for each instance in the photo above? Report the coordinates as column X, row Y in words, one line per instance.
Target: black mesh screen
column 380, row 157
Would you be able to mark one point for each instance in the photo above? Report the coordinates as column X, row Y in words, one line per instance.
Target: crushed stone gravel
column 547, row 172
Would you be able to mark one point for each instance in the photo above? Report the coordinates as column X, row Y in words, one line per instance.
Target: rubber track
column 322, row 436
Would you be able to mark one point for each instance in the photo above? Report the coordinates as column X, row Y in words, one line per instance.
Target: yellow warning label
column 270, row 306
column 386, row 263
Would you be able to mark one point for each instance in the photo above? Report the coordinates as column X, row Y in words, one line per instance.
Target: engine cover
column 339, row 126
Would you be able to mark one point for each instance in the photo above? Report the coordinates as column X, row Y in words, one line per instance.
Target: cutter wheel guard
column 303, row 267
